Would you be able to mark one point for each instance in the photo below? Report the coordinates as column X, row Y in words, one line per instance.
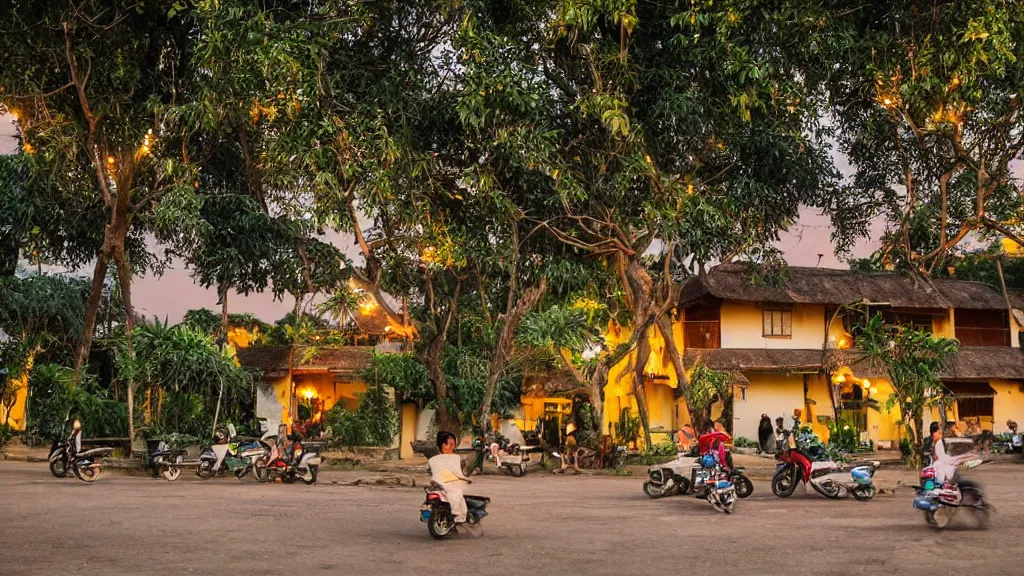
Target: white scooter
column 671, row 477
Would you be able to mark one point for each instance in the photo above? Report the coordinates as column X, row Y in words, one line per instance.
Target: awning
column 966, row 390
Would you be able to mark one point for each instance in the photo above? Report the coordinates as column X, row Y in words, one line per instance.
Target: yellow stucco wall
column 16, row 418
column 742, row 327
column 410, row 412
column 883, row 425
column 1008, row 403
column 770, row 393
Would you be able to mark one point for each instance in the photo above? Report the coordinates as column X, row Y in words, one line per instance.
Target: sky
column 807, row 243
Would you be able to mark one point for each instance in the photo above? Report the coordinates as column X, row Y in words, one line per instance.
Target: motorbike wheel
column 715, row 503
column 171, row 473
column 309, row 479
column 828, row 489
column 59, row 468
column 652, row 490
column 261, row 472
column 517, row 471
column 205, row 469
column 982, row 517
column 865, row 493
column 729, row 503
column 744, row 487
column 941, row 517
column 683, row 487
column 87, row 473
column 784, row 482
column 440, row 524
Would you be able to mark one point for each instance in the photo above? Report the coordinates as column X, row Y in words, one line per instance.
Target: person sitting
column 713, row 442
column 446, row 470
column 686, row 438
column 974, row 427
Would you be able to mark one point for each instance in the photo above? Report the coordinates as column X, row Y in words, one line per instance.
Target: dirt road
column 540, row 524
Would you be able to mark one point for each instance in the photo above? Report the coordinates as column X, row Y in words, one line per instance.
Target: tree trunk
column 222, row 292
column 431, row 358
column 92, row 308
column 124, row 277
column 643, row 352
column 644, row 315
column 504, row 344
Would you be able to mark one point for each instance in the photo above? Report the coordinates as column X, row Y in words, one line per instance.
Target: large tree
column 90, row 83
column 926, row 99
column 663, row 136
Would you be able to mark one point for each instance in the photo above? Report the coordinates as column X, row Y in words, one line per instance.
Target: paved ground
column 540, row 524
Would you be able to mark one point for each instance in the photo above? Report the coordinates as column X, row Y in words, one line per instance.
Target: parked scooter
column 162, row 461
column 670, row 478
column 828, row 478
column 226, row 455
column 437, row 512
column 298, row 462
column 941, row 503
column 68, row 455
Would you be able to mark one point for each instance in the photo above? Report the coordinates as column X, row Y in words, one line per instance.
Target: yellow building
column 300, row 383
column 794, row 349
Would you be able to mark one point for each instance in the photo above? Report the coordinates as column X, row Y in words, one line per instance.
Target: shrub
column 6, row 433
column 744, row 442
column 374, row 422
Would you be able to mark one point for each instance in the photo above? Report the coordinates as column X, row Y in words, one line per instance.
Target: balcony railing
column 702, row 334
column 983, row 336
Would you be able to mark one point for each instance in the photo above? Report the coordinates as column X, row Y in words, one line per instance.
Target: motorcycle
column 67, row 455
column 719, row 491
column 162, row 461
column 941, row 503
column 437, row 512
column 668, row 478
column 302, row 462
column 237, row 457
column 828, row 478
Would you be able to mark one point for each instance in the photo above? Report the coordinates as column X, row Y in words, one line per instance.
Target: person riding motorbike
column 944, row 464
column 446, row 470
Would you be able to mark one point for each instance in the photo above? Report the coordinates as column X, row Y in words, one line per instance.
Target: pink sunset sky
column 174, row 293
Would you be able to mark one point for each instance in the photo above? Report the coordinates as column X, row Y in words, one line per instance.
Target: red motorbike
column 794, row 467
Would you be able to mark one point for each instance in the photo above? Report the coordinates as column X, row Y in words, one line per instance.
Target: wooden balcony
column 971, row 336
column 702, row 334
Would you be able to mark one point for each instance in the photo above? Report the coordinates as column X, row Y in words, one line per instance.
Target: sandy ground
column 540, row 524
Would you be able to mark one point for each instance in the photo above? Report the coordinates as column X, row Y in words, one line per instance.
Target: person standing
column 765, row 433
column 570, row 452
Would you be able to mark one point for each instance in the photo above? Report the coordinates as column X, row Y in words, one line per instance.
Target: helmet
column 707, row 461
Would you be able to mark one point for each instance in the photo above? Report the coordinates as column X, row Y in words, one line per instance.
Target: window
column 777, row 323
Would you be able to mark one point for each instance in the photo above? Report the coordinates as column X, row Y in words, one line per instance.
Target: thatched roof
column 340, row 360
column 837, row 287
column 970, row 363
column 272, row 360
column 550, row 384
column 977, row 363
column 370, row 317
column 756, row 359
